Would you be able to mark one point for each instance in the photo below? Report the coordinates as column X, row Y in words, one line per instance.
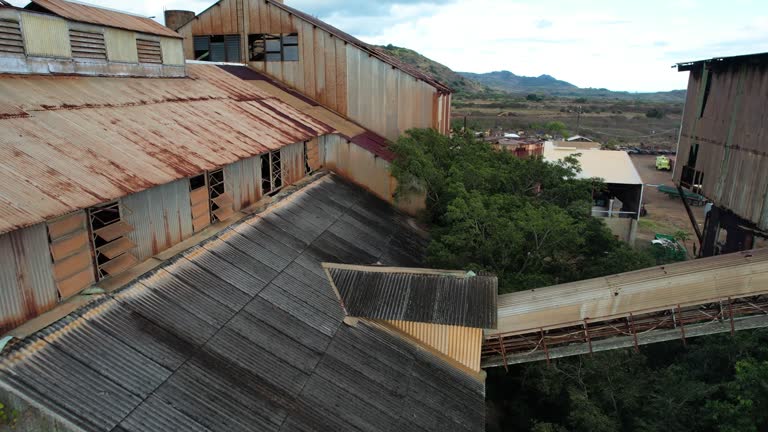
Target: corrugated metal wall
column 121, row 45
column 386, row 100
column 358, row 164
column 172, row 50
column 45, row 36
column 732, row 133
column 161, row 217
column 339, row 75
column 243, row 182
column 367, row 170
column 292, row 163
column 27, row 287
column 462, row 344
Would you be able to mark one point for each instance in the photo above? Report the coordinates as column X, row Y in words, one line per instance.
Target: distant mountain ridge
column 467, row 83
column 509, row 82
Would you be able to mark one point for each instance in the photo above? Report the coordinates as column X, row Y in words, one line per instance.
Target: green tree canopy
column 526, row 220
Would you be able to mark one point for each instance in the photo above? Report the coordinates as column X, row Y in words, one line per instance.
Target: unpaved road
column 665, row 215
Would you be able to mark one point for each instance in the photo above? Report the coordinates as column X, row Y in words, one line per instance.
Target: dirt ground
column 665, row 215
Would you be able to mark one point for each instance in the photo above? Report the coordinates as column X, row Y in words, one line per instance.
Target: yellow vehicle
column 662, row 163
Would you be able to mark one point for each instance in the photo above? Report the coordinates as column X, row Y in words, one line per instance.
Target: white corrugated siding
column 242, row 180
column 292, row 163
column 172, row 50
column 121, row 45
column 401, row 102
column 45, row 36
column 358, row 164
column 161, row 217
column 27, row 286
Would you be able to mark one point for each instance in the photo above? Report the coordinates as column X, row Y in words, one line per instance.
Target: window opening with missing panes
column 217, row 48
column 110, row 244
column 273, row 47
column 215, row 189
column 271, row 173
column 221, row 204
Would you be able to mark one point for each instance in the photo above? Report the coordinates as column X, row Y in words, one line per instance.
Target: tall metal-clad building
column 722, row 151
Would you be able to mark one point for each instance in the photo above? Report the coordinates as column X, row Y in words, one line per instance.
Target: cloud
column 358, row 8
column 597, row 43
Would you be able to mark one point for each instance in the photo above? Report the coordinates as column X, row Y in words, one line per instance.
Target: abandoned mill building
column 198, row 230
column 722, row 149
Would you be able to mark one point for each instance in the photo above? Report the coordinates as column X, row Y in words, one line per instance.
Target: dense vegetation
column 528, row 222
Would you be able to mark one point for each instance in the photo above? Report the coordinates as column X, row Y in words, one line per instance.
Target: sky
column 627, row 45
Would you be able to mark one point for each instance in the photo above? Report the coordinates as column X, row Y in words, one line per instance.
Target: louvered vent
column 10, row 37
column 88, row 45
column 149, row 51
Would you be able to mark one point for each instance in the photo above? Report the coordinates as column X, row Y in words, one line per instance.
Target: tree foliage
column 526, row 220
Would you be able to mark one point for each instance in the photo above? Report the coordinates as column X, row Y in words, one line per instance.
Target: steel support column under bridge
column 726, row 293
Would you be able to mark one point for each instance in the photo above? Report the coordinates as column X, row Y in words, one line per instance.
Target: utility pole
column 578, row 121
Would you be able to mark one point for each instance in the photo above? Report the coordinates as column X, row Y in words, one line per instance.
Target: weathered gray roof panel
column 227, row 337
column 416, row 295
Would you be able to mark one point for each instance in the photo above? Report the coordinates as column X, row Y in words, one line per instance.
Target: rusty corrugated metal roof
column 106, row 17
column 87, row 140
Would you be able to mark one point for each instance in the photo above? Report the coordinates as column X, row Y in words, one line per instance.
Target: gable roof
column 94, row 139
column 417, row 295
column 243, row 333
column 346, row 37
column 86, row 13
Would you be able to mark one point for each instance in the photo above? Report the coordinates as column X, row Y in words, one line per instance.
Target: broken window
column 87, row 45
column 307, row 165
column 266, row 177
column 273, row 47
column 271, row 172
column 111, row 246
column 220, row 202
column 202, row 47
column 149, row 51
column 10, row 37
column 217, row 48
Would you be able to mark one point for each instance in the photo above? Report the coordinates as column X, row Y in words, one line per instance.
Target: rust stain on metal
column 90, row 140
column 96, row 15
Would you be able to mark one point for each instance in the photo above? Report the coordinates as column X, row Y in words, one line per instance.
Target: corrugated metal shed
column 101, row 16
column 418, row 295
column 243, row 333
column 687, row 283
column 91, row 140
